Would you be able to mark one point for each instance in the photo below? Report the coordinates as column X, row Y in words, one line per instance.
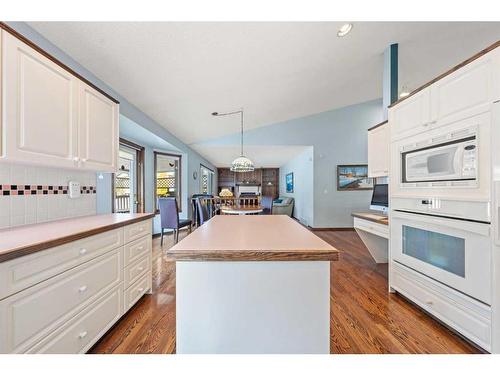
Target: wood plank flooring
column 365, row 318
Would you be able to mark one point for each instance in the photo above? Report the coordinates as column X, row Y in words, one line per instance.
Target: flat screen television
column 380, row 198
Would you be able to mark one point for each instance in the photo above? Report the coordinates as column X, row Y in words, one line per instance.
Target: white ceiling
column 178, row 73
column 262, row 156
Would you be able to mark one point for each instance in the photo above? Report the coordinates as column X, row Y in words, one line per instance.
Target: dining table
column 252, row 284
column 241, row 209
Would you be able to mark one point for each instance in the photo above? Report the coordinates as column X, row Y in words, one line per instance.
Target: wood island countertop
column 28, row 239
column 252, row 238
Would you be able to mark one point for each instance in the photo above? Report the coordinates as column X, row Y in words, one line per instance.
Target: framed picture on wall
column 353, row 177
column 289, row 182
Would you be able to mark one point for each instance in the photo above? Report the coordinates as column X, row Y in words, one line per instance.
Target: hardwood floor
column 365, row 318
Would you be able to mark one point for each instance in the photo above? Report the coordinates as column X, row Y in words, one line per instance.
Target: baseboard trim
column 339, row 229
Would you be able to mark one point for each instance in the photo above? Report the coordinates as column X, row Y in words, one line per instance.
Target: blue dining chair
column 169, row 218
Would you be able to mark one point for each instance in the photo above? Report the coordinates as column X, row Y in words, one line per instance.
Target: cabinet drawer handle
column 82, row 289
column 140, row 248
column 83, row 251
column 82, row 335
column 430, row 303
column 84, row 160
column 141, row 229
column 140, row 290
column 76, row 158
column 140, row 269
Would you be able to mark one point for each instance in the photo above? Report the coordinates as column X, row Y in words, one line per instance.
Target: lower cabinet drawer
column 469, row 317
column 134, row 231
column 137, row 249
column 137, row 290
column 135, row 270
column 30, row 315
column 83, row 331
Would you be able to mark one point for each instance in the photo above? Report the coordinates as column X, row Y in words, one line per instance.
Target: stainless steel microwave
column 455, row 160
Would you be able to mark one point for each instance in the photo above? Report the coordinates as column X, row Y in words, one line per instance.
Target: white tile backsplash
column 18, row 210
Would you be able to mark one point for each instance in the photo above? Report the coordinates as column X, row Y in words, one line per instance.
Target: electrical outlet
column 74, row 189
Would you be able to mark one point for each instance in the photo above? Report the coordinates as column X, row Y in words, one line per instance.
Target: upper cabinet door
column 378, row 151
column 466, row 92
column 40, row 104
column 98, row 138
column 411, row 116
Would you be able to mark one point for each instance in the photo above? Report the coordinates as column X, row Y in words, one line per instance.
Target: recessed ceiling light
column 344, row 30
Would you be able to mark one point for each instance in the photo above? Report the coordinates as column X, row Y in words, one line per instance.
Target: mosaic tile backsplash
column 30, row 195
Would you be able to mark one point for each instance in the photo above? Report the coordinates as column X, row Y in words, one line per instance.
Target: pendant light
column 241, row 163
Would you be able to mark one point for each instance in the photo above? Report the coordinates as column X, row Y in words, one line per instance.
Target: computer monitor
column 380, row 198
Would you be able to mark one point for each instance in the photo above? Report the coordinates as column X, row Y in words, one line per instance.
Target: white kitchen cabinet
column 465, row 92
column 98, row 130
column 40, row 104
column 63, row 299
column 51, row 116
column 411, row 116
column 378, row 151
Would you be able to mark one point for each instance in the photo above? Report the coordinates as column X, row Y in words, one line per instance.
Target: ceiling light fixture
column 241, row 163
column 404, row 92
column 344, row 30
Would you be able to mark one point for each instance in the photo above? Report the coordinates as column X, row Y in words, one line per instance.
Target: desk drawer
column 30, row 315
column 83, row 331
column 23, row 272
column 467, row 316
column 377, row 229
column 137, row 290
column 137, row 230
column 135, row 270
column 137, row 249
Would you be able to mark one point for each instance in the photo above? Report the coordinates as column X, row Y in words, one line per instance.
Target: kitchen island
column 253, row 284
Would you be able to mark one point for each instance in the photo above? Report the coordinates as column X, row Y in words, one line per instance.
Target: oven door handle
column 482, row 229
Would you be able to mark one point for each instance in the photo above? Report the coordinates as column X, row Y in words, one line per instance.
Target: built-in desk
column 373, row 229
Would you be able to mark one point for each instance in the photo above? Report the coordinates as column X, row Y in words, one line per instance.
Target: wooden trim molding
column 378, row 125
column 455, row 68
column 25, row 40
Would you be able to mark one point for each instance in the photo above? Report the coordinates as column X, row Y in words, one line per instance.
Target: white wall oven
column 452, row 251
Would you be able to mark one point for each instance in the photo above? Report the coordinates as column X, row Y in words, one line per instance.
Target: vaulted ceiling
column 178, row 73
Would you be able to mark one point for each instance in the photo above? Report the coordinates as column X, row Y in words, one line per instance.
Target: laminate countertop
column 252, row 238
column 27, row 239
column 370, row 216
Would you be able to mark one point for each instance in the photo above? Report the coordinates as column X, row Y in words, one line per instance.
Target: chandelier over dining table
column 241, row 163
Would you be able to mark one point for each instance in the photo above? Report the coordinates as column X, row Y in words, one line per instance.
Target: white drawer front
column 137, row 230
column 135, row 270
column 471, row 318
column 137, row 290
column 377, row 229
column 83, row 331
column 28, row 316
column 137, row 249
column 23, row 272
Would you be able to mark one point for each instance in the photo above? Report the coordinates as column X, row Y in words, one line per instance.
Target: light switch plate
column 74, row 189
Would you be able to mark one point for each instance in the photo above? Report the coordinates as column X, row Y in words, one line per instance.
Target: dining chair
column 203, row 210
column 267, row 205
column 169, row 218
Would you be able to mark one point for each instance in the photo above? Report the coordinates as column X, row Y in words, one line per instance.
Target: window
column 128, row 179
column 206, row 180
column 167, row 177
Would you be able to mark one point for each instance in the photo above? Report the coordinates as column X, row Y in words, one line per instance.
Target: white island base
column 253, row 307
